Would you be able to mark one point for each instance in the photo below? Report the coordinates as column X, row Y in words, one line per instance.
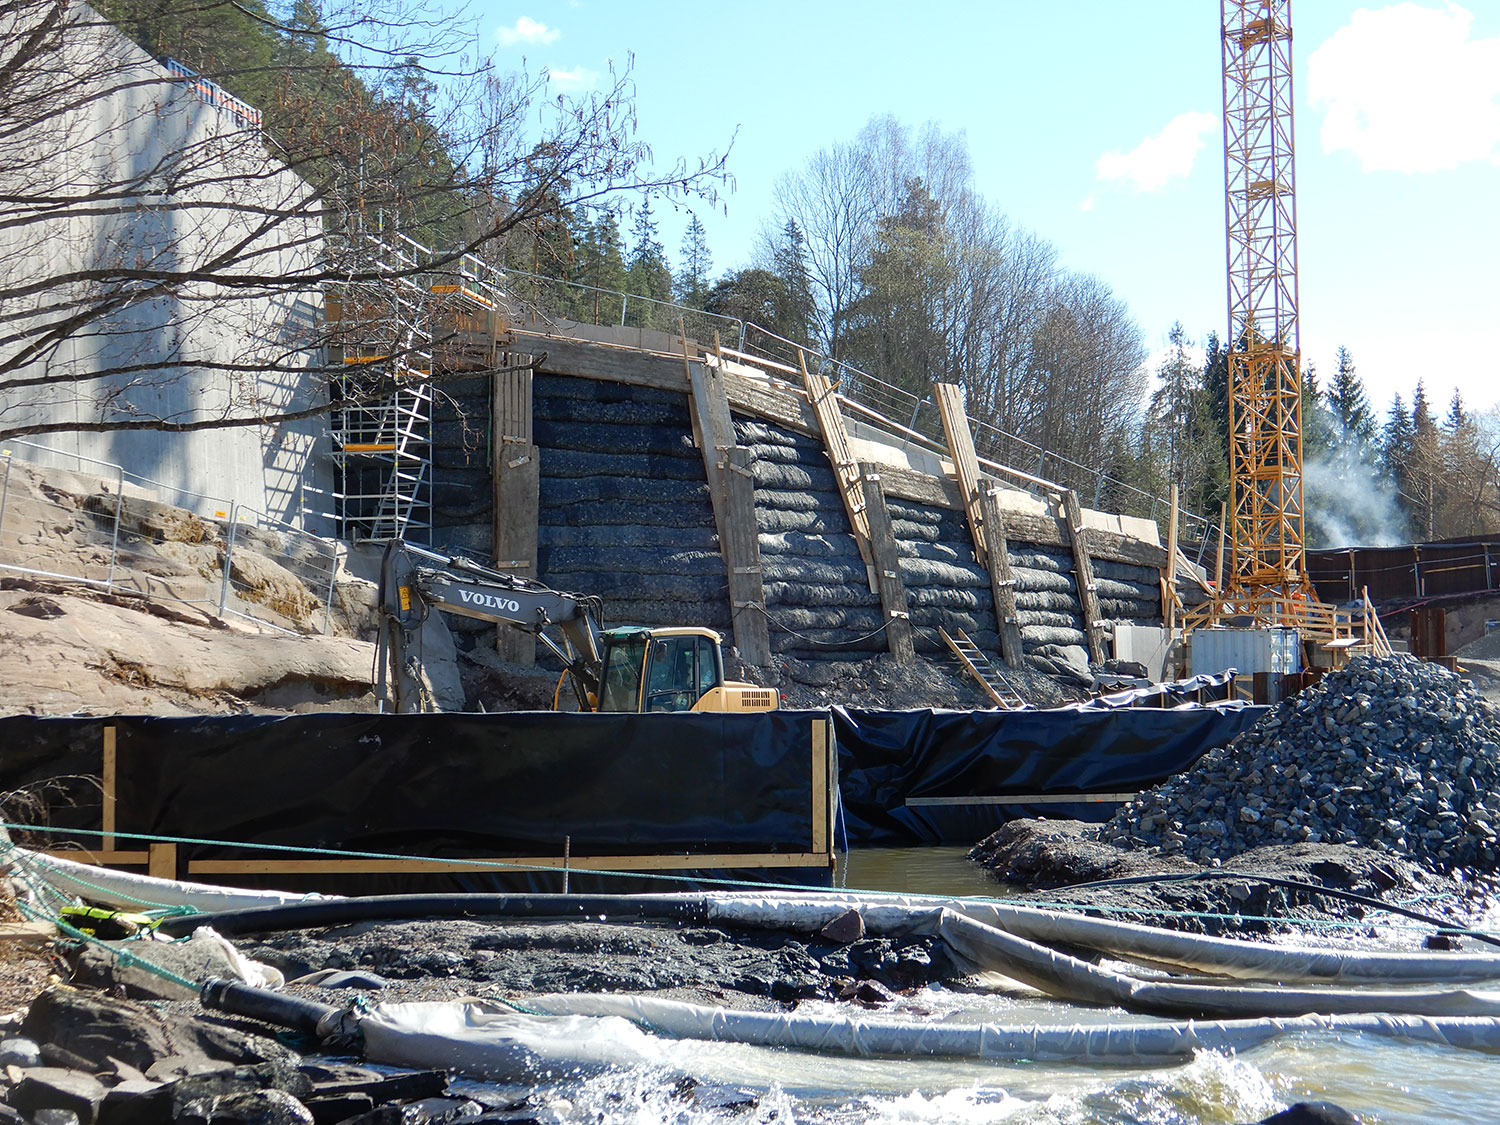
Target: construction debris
column 1392, row 754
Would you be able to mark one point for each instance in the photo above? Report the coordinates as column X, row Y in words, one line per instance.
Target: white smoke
column 1347, row 499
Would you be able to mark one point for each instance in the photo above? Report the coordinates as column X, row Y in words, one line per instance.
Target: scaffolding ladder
column 978, row 665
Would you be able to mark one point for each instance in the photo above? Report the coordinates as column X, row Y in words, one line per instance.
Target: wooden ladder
column 978, row 665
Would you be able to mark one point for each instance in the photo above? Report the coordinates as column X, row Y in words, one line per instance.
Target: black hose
column 344, row 911
column 242, row 999
column 1295, row 885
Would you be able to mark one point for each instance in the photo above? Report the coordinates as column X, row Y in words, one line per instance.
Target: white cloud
column 1406, row 89
column 579, row 78
column 527, row 30
column 1164, row 157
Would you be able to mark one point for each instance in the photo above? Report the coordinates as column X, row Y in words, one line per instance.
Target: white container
column 1247, row 651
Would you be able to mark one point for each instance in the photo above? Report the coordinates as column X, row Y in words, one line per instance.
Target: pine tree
column 1348, row 403
column 692, row 285
column 601, row 267
column 647, row 273
column 1396, row 441
column 797, row 320
column 1425, row 465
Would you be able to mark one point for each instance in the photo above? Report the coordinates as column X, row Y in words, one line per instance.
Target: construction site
column 511, row 750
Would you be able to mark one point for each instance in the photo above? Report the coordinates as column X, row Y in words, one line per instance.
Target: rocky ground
column 1382, row 781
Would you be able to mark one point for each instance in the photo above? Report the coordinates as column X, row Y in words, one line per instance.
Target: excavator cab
column 673, row 669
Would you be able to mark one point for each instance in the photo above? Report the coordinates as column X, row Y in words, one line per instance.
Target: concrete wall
column 126, row 200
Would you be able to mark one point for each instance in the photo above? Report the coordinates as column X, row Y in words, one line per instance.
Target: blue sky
column 1095, row 123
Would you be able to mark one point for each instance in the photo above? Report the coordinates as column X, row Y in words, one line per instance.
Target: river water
column 1384, row 1081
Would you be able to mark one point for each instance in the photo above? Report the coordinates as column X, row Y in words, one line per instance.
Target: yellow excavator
column 629, row 668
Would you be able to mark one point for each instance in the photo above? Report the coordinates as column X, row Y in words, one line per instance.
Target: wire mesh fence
column 74, row 518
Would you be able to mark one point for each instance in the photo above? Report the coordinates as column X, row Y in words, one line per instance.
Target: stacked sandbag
column 945, row 587
column 1127, row 594
column 1392, row 754
column 817, row 591
column 623, row 505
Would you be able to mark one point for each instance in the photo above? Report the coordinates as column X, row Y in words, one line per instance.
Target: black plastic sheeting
column 886, row 757
column 438, row 786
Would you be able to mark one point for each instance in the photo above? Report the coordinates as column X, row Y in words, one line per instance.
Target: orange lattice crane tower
column 1266, row 582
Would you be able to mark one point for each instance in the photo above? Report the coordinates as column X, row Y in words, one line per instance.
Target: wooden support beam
column 965, row 461
column 887, row 558
column 162, row 863
column 108, row 785
column 1083, row 573
column 1169, row 602
column 1002, row 581
column 732, row 491
column 515, row 473
column 825, row 404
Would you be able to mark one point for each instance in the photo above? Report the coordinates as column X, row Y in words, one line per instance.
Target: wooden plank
column 600, row 361
column 965, row 461
column 108, row 784
column 887, row 558
column 1002, row 580
column 162, row 861
column 920, row 488
column 1169, row 605
column 825, row 404
column 574, row 863
column 732, row 491
column 1083, row 574
column 820, row 786
column 515, row 476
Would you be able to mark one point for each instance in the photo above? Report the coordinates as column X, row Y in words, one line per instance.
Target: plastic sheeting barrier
column 887, row 757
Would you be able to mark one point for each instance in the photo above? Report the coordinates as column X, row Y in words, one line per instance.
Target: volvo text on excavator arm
column 632, row 668
column 414, row 581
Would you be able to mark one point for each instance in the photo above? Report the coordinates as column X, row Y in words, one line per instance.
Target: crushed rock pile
column 1392, row 754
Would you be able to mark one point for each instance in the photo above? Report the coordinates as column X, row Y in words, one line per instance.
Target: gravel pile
column 1395, row 754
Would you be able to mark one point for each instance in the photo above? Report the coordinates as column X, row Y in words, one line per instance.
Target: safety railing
column 559, row 304
column 1024, row 462
column 73, row 518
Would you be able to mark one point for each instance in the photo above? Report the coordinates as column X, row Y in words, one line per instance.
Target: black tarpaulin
column 439, row 785
column 887, row 758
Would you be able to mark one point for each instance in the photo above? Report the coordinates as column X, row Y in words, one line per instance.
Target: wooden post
column 108, row 783
column 965, row 462
column 516, row 475
column 1219, row 560
column 731, row 489
column 1002, row 581
column 887, row 559
column 1171, row 606
column 162, row 861
column 822, row 397
column 1083, row 573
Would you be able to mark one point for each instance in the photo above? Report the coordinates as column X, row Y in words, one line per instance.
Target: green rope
column 32, row 863
column 122, row 955
column 742, row 884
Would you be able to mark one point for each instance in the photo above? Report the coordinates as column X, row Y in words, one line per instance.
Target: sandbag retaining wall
column 817, row 593
column 945, row 587
column 623, row 509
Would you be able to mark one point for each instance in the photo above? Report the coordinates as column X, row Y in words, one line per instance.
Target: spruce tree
column 1348, row 403
column 648, row 274
column 692, row 284
column 797, row 320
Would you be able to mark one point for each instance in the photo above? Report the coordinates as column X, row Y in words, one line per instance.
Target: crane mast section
column 1265, row 385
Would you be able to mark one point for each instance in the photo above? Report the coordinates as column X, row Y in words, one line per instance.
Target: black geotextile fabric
column 623, row 508
column 818, row 597
column 450, row 785
column 945, row 587
column 888, row 757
